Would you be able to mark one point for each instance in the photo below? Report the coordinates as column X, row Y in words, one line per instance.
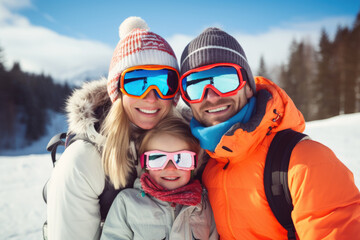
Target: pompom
column 131, row 23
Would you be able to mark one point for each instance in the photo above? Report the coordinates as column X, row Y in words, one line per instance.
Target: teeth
column 217, row 109
column 148, row 111
column 171, row 178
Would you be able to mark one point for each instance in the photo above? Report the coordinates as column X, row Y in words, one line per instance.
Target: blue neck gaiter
column 210, row 137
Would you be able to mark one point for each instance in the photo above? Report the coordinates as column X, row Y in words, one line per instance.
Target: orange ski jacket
column 325, row 198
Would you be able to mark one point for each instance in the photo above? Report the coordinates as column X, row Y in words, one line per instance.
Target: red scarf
column 190, row 194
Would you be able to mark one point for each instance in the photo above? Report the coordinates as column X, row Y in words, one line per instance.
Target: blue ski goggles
column 138, row 81
column 226, row 79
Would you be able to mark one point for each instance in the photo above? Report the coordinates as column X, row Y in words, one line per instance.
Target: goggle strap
column 143, row 160
column 244, row 75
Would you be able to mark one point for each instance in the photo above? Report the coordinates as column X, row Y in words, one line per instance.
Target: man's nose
column 211, row 95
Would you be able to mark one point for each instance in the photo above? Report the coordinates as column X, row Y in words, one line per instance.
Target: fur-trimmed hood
column 86, row 108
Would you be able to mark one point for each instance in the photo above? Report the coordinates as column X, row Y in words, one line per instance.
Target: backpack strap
column 276, row 177
column 55, row 141
column 107, row 197
column 109, row 193
column 63, row 139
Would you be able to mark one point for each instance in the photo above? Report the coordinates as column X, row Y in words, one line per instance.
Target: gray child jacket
column 136, row 215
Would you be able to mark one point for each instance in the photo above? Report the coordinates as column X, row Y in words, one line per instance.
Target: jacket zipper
column 227, row 199
column 173, row 213
column 172, row 218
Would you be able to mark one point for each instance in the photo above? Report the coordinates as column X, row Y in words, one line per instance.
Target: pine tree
column 287, row 81
column 262, row 68
column 298, row 78
column 327, row 86
column 356, row 53
column 2, row 68
column 350, row 68
column 6, row 116
column 309, row 82
column 342, row 65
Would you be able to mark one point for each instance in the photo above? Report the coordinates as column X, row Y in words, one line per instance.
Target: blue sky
column 75, row 38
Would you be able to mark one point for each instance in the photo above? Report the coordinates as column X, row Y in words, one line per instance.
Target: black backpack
column 276, row 177
column 106, row 197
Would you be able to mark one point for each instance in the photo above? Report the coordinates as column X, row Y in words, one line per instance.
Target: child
column 165, row 202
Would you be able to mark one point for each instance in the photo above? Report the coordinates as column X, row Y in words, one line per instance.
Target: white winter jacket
column 73, row 209
column 135, row 215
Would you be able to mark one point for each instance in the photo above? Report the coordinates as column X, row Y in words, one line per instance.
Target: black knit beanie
column 215, row 46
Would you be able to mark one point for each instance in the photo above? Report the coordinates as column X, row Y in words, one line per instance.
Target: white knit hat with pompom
column 137, row 46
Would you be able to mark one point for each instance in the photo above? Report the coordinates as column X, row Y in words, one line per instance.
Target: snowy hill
column 23, row 173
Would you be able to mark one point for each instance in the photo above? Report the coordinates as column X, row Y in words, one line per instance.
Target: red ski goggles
column 157, row 160
column 138, row 81
column 226, row 79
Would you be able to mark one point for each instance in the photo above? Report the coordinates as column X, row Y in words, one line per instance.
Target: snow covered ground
column 24, row 172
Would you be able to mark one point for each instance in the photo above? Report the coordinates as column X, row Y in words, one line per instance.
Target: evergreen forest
column 25, row 99
column 324, row 81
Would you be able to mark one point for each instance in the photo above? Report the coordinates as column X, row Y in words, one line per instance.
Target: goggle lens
column 164, row 81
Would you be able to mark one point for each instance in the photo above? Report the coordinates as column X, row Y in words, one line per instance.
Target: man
column 235, row 117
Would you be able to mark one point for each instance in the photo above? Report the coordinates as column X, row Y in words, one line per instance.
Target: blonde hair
column 175, row 126
column 115, row 160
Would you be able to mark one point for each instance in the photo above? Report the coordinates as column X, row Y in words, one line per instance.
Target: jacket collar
column 275, row 111
column 86, row 108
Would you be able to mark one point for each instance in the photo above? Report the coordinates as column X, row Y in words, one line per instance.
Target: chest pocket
column 151, row 232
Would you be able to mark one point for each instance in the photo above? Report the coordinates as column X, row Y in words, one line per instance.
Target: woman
column 142, row 81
